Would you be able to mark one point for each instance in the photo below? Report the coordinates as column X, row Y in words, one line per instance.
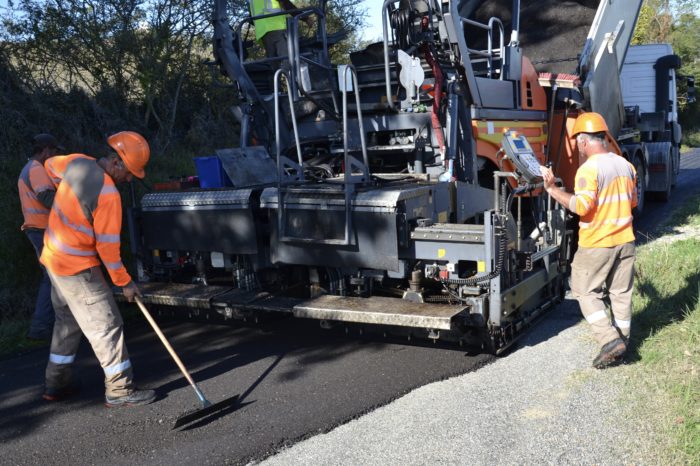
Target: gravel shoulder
column 542, row 404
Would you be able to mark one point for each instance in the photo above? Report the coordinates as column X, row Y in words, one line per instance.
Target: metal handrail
column 489, row 52
column 359, row 119
column 280, row 168
column 295, row 13
column 385, row 38
column 278, row 73
column 350, row 163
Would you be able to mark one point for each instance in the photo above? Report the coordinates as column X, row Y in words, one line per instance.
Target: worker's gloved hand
column 131, row 291
column 548, row 177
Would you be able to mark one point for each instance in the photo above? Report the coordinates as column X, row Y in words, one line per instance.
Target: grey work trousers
column 596, row 272
column 275, row 43
column 84, row 302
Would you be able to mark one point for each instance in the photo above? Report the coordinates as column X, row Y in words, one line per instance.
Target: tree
column 142, row 56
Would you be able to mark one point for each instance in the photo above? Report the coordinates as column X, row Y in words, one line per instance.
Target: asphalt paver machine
column 398, row 192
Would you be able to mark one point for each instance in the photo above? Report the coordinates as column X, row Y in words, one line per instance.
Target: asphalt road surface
column 294, row 380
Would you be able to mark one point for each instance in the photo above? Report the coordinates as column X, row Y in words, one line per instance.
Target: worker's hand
column 547, row 177
column 131, row 291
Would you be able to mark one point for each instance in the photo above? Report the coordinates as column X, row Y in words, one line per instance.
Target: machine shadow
column 217, row 349
column 566, row 314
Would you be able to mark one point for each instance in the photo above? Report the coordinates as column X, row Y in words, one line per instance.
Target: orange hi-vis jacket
column 85, row 220
column 32, row 181
column 605, row 194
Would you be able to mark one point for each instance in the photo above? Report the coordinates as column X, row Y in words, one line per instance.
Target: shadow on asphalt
column 240, row 402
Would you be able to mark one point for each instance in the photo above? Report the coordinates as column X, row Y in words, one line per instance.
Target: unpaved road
column 295, row 381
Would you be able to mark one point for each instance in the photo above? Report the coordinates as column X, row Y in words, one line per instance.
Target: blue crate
column 210, row 172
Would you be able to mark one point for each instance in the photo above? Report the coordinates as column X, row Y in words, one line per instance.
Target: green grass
column 665, row 342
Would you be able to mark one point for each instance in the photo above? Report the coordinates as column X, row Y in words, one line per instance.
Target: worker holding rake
column 83, row 231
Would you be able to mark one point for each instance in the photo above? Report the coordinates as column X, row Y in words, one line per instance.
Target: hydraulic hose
column 437, row 97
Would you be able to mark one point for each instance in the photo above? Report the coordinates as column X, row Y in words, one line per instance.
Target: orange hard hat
column 590, row 122
column 133, row 150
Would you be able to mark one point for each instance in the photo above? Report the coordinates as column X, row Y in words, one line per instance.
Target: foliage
column 666, row 339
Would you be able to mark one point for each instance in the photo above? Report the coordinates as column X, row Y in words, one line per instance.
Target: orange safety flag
column 605, row 194
column 85, row 220
column 33, row 181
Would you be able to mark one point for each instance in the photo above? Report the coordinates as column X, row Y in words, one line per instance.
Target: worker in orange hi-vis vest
column 84, row 230
column 36, row 193
column 604, row 196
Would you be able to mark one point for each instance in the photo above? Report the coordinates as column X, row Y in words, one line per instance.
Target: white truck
column 649, row 90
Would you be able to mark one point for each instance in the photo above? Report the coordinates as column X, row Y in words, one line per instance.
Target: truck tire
column 641, row 185
column 665, row 195
column 675, row 160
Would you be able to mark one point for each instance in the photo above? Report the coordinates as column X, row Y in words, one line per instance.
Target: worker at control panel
column 603, row 267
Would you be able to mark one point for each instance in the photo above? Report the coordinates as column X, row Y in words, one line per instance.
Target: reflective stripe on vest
column 605, row 193
column 85, row 221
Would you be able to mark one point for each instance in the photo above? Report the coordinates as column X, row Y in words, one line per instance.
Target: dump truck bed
column 552, row 32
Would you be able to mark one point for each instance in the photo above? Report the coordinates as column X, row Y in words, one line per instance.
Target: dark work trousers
column 43, row 318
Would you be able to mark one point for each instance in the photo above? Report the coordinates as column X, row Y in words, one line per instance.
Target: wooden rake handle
column 170, row 349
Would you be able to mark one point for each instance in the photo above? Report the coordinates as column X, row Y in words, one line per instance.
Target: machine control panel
column 523, row 157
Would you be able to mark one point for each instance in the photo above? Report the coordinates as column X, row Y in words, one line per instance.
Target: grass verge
column 665, row 342
column 12, row 339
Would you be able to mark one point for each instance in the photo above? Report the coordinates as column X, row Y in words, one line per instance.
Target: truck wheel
column 666, row 194
column 641, row 185
column 674, row 166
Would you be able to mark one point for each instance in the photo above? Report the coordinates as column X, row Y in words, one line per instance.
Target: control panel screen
column 519, row 144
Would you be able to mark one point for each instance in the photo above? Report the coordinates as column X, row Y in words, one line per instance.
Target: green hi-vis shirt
column 265, row 25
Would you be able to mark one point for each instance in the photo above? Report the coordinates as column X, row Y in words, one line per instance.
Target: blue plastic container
column 210, row 172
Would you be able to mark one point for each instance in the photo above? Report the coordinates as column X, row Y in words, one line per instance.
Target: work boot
column 135, row 398
column 610, row 353
column 62, row 393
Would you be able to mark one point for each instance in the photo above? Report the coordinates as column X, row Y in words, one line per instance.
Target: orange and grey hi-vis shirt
column 32, row 182
column 85, row 220
column 605, row 194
